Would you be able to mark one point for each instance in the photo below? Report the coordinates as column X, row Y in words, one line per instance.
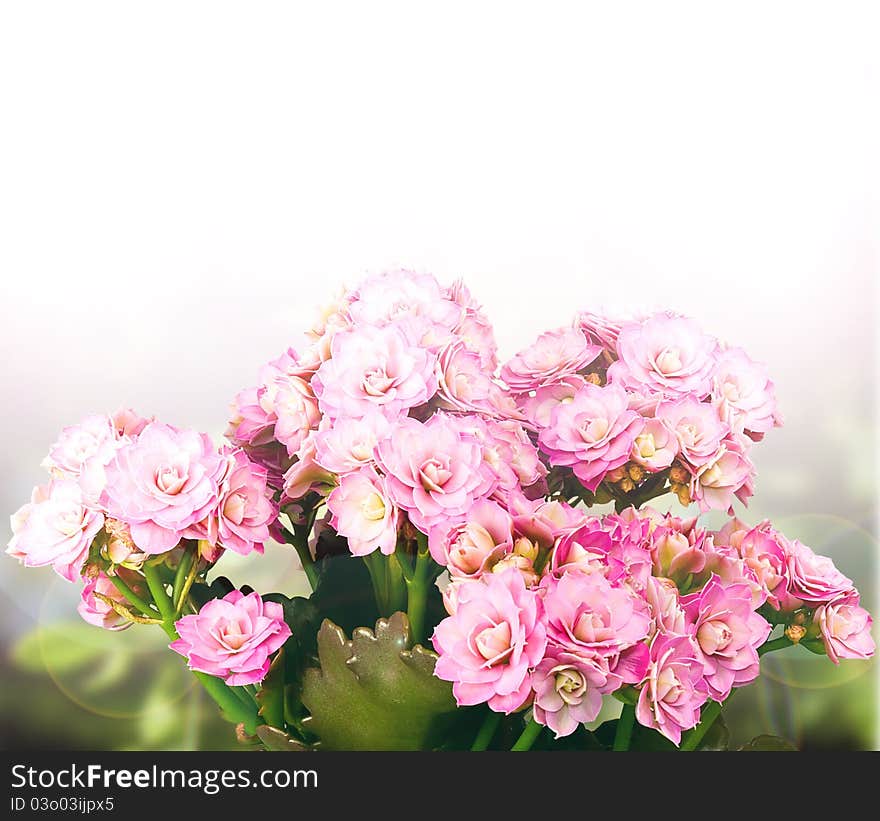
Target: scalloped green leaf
column 768, row 743
column 376, row 691
column 279, row 741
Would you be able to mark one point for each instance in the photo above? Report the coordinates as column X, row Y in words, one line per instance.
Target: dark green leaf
column 270, row 696
column 768, row 743
column 279, row 741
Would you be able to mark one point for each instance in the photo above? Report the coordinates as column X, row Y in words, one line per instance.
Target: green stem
column 693, row 737
column 625, row 725
column 300, row 540
column 396, row 584
column 776, row 644
column 374, row 564
column 487, row 730
column 132, row 597
column 528, row 737
column 157, row 590
column 180, row 575
column 417, row 591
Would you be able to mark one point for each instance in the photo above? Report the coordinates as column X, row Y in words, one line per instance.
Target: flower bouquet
column 485, row 570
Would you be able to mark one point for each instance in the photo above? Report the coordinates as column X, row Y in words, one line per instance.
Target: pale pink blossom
column 845, row 628
column 568, row 690
column 600, row 330
column 509, row 454
column 306, row 474
column 538, row 407
column 673, row 690
column 363, row 512
column 727, row 475
column 127, row 423
column 727, row 635
column 296, row 412
column 474, row 327
column 696, row 426
column 814, row 579
column 343, row 445
column 489, row 645
column 98, row 612
column 470, row 547
column 433, row 470
column 744, row 395
column 765, row 553
column 55, row 528
column 374, row 368
column 665, row 355
column 592, row 434
column 669, row 616
column 161, row 484
column 553, row 356
column 656, row 447
column 233, row 637
column 541, row 521
column 82, row 453
column 463, row 384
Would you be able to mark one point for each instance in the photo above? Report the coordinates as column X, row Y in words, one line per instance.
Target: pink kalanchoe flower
column 296, row 412
column 128, row 423
column 163, row 483
column 509, row 454
column 584, row 549
column 98, row 612
column 765, row 553
column 240, row 522
column 363, row 512
column 55, row 528
column 656, row 447
column 588, row 616
column 568, row 690
column 726, row 476
column 599, row 330
column 374, row 368
column 344, row 445
column 469, row 548
column 727, row 635
column 696, row 426
column 551, row 357
column 495, row 637
column 434, row 471
column 463, row 384
column 306, row 474
column 592, row 434
column 232, row 638
column 666, row 356
column 669, row 615
column 744, row 395
column 82, row 453
column 814, row 579
column 474, row 327
column 845, row 628
column 538, row 407
column 673, row 690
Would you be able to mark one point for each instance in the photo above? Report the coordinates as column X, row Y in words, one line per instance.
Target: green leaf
column 278, row 740
column 270, row 696
column 768, row 743
column 344, row 593
column 717, row 738
column 376, row 691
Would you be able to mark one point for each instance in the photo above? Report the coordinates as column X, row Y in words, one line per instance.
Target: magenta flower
column 656, row 447
column 665, row 355
column 845, row 628
column 592, row 434
column 469, row 548
column 673, row 690
column 568, row 690
column 814, row 579
column 553, row 356
column 696, row 426
column 588, row 616
column 232, row 638
column 363, row 513
column 374, row 368
column 584, row 549
column 433, row 470
column 488, row 647
column 744, row 394
column 727, row 635
column 669, row 616
column 55, row 528
column 240, row 522
column 163, row 483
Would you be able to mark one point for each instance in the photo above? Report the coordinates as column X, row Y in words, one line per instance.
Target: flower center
column 669, row 361
column 69, row 521
column 376, row 382
column 433, row 475
column 645, row 445
column 588, row 627
column 714, row 637
column 373, row 507
column 570, row 685
column 170, row 479
column 593, row 429
column 233, row 635
column 235, row 507
column 493, row 643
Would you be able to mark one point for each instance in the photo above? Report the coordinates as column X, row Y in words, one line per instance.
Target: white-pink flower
column 744, row 394
column 696, row 426
column 656, row 447
column 296, row 411
column 374, row 368
column 363, row 513
column 845, row 628
column 343, row 445
column 726, row 475
column 568, row 690
column 553, row 356
column 468, row 548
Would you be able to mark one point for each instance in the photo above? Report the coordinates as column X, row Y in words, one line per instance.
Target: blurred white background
column 182, row 184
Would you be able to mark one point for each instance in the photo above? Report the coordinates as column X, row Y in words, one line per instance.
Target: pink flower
column 543, row 522
column 677, row 554
column 296, row 412
column 463, row 384
column 845, row 628
column 592, row 434
column 656, row 447
column 305, row 475
column 599, row 330
column 363, row 513
column 727, row 635
column 127, row 423
column 568, row 690
column 665, row 355
column 538, row 406
column 509, row 453
column 726, row 475
column 98, row 612
column 673, row 690
column 470, row 547
column 696, row 426
column 765, row 553
column 474, row 327
column 161, row 484
column 588, row 616
column 488, row 647
column 584, row 549
column 241, row 520
column 374, row 368
column 82, row 452
column 56, row 528
column 232, row 638
column 814, row 579
column 553, row 356
column 344, row 445
column 744, row 395
column 434, row 472
column 669, row 615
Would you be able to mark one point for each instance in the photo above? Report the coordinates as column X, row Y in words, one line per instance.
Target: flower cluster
column 555, row 608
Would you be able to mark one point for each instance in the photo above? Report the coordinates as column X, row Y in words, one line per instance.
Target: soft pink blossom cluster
column 551, row 607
